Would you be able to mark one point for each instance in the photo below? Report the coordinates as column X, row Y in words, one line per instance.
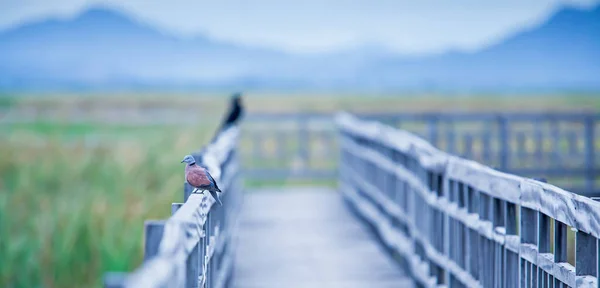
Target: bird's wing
column 197, row 177
column 210, row 177
column 212, row 180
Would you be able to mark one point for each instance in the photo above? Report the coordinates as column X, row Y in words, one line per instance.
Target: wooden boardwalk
column 308, row 238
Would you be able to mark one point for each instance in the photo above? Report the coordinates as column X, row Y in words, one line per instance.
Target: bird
column 199, row 178
column 236, row 111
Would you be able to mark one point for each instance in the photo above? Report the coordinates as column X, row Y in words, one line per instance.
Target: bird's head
column 237, row 97
column 189, row 159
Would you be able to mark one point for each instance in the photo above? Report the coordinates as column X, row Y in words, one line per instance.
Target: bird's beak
column 181, row 161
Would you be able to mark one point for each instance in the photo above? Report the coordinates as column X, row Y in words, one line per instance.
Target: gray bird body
column 199, row 178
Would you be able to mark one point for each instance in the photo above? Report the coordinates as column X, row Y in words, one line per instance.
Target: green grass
column 6, row 101
column 301, row 102
column 68, row 213
column 75, row 129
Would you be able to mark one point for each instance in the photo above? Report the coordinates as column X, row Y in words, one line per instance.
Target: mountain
column 102, row 48
column 563, row 52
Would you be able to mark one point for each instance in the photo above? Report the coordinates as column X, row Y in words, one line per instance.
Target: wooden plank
column 282, row 243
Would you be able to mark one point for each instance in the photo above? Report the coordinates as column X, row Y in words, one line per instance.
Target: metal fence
column 194, row 248
column 558, row 146
column 458, row 223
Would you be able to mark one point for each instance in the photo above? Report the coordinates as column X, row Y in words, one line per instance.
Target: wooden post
column 529, row 226
column 303, row 141
column 522, row 148
column 510, row 218
column 202, row 256
column 560, row 242
column 114, row 279
column 153, row 232
column 451, row 139
column 468, row 146
column 590, row 153
column 433, row 128
column 192, row 268
column 208, row 228
column 572, row 144
column 487, row 146
column 543, row 233
column 498, row 212
column 503, row 131
column 539, row 145
column 555, row 142
column 175, row 207
column 586, row 259
column 187, row 191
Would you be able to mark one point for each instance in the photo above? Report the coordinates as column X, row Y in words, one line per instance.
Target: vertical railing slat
column 153, row 232
column 560, row 242
column 585, row 254
column 544, row 233
column 503, row 134
column 590, row 156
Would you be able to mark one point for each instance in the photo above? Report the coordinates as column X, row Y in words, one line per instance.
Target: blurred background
column 99, row 100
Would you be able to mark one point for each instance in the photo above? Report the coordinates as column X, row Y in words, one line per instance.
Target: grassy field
column 273, row 102
column 75, row 191
column 70, row 212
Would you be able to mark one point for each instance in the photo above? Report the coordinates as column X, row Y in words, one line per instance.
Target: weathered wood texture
column 558, row 146
column 193, row 248
column 455, row 221
column 308, row 238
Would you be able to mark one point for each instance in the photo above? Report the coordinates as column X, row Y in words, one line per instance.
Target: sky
column 315, row 26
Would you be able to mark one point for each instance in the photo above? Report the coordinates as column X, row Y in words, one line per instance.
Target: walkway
column 308, row 238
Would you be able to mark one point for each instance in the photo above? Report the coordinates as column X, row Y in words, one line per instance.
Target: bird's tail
column 216, row 196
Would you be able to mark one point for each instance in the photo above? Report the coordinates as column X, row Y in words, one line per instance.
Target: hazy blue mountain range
column 102, row 48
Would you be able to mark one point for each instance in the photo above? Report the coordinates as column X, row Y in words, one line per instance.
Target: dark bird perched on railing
column 235, row 113
column 236, row 110
column 199, row 178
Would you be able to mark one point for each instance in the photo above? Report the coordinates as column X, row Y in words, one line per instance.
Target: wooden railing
column 289, row 146
column 558, row 146
column 194, row 247
column 457, row 223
